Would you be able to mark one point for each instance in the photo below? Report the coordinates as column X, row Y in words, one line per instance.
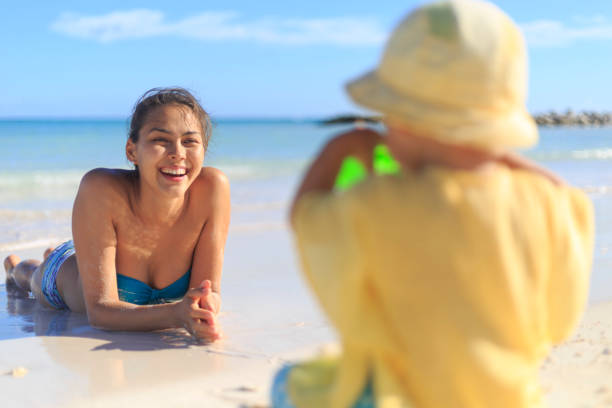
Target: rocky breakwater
column 569, row 118
column 552, row 118
column 351, row 119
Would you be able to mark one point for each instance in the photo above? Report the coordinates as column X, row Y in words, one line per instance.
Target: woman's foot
column 10, row 262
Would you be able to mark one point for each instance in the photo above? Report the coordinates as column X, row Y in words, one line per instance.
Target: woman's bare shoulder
column 211, row 187
column 109, row 179
column 102, row 183
column 212, row 179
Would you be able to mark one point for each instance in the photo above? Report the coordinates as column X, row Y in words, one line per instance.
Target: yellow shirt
column 447, row 288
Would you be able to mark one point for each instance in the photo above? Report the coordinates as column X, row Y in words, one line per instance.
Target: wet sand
column 53, row 359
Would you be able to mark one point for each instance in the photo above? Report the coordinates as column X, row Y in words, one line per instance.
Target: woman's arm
column 96, row 244
column 322, row 172
column 208, row 256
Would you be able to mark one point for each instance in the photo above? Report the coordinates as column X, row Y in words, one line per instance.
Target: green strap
column 383, row 161
column 352, row 171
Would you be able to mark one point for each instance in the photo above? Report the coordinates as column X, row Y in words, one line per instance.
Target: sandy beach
column 578, row 373
column 267, row 316
column 268, row 319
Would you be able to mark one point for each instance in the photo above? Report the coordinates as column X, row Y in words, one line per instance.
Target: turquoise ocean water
column 44, row 160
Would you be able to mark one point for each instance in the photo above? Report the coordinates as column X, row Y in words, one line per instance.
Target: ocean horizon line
column 117, row 119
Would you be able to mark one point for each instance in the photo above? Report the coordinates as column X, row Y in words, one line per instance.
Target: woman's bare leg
column 26, row 276
column 69, row 285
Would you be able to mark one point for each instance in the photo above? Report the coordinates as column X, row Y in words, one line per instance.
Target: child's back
column 447, row 287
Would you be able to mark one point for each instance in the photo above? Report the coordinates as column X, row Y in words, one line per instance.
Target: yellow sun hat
column 457, row 72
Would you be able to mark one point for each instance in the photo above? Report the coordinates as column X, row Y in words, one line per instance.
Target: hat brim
column 485, row 128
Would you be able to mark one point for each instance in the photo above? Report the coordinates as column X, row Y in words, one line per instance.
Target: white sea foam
column 24, row 180
column 581, row 154
column 238, row 171
column 259, row 169
column 41, row 177
column 36, row 243
column 29, row 189
column 599, row 154
column 33, row 215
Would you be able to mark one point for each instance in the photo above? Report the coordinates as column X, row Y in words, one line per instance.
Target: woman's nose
column 176, row 151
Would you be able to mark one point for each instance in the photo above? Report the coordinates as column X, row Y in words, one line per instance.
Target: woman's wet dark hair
column 168, row 96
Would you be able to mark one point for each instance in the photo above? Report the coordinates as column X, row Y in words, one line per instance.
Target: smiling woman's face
column 169, row 152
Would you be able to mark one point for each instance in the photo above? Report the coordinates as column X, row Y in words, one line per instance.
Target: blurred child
column 449, row 281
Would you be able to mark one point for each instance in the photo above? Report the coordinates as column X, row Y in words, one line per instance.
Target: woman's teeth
column 174, row 172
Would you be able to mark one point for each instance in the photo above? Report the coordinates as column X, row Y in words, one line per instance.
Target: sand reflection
column 99, row 361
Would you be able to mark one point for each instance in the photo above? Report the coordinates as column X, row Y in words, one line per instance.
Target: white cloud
column 592, row 19
column 545, row 33
column 217, row 26
column 112, row 26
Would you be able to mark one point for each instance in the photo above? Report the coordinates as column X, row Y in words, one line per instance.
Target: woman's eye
column 159, row 140
column 190, row 141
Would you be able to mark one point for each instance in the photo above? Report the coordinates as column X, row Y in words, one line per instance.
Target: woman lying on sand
column 148, row 243
column 449, row 281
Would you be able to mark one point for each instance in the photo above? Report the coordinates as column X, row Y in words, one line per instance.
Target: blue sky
column 260, row 59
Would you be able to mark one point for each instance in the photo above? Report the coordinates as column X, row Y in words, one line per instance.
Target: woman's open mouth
column 174, row 173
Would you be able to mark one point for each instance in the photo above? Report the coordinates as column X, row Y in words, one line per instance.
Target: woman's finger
column 195, row 293
column 205, row 315
column 205, row 332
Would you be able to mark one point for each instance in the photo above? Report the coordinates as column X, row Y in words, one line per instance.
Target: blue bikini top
column 135, row 291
